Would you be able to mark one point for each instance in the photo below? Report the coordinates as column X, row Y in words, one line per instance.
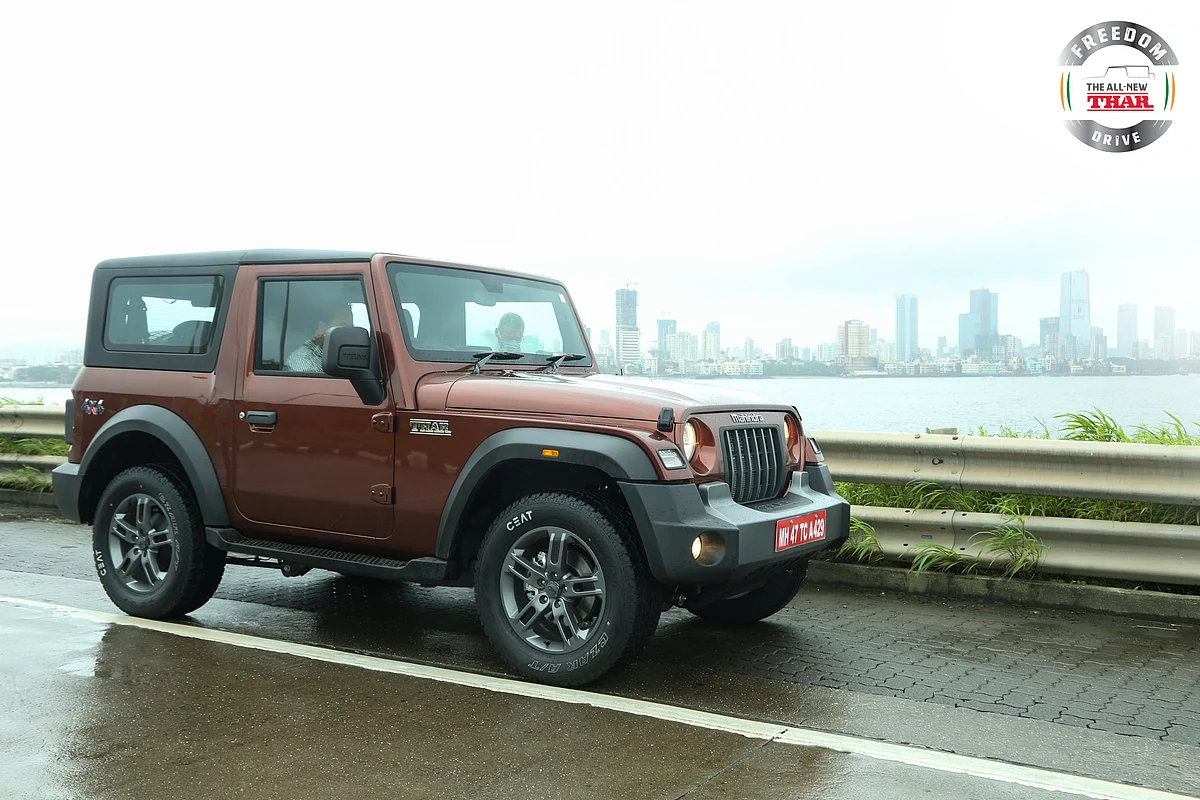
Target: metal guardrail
column 1149, row 473
column 10, row 462
column 33, row 422
column 1132, row 551
column 1113, row 471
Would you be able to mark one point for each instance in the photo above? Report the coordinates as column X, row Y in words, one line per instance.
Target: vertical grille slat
column 752, row 463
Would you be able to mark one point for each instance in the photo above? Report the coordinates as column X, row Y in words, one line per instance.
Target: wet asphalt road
column 94, row 710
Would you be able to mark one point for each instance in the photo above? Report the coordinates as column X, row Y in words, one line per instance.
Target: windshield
column 451, row 314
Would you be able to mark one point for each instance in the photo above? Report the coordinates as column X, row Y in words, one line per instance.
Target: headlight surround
column 690, row 439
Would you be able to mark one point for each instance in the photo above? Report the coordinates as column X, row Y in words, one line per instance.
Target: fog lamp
column 708, row 549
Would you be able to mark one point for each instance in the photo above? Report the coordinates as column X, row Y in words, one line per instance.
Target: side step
column 418, row 570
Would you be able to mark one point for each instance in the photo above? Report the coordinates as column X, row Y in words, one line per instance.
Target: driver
column 510, row 332
column 307, row 357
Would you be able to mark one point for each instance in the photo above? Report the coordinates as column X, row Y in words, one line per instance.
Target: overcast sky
column 779, row 167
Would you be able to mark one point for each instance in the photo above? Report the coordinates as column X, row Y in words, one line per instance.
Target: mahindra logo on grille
column 747, row 417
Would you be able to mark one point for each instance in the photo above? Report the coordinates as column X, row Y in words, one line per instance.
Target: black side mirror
column 349, row 352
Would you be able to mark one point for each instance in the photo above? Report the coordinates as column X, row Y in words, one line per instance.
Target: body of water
column 910, row 405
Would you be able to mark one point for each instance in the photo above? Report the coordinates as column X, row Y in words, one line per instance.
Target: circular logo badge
column 1117, row 86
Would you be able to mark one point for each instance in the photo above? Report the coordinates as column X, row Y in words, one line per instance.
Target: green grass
column 8, row 401
column 25, row 479
column 33, row 447
column 1097, row 426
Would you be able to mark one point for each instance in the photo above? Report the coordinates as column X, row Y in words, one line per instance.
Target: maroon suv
column 402, row 419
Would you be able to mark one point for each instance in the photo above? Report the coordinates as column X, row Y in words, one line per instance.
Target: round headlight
column 793, row 435
column 689, row 440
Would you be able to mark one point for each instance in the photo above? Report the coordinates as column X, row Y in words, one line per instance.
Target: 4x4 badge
column 430, row 427
column 92, row 408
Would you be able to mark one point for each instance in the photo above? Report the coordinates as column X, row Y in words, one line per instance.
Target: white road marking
column 783, row 734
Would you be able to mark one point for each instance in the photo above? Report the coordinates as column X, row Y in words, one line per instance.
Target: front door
column 311, row 461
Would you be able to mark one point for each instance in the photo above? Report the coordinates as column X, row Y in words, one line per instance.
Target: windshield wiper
column 483, row 358
column 556, row 360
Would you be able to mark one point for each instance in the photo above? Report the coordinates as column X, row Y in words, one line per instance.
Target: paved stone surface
column 1126, row 676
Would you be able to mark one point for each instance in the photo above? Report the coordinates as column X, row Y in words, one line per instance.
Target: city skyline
column 980, row 335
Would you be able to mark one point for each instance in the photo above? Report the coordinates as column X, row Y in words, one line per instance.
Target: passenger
column 307, row 357
column 510, row 332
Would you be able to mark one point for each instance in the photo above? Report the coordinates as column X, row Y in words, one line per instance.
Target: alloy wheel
column 141, row 541
column 552, row 587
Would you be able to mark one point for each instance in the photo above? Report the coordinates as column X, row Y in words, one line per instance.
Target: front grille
column 753, row 463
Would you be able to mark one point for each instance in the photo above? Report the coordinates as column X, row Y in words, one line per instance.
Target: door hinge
column 384, row 422
column 382, row 493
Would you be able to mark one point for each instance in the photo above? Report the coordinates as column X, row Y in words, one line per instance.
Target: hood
column 594, row 395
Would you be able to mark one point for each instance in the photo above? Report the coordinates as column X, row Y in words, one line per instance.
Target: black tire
column 600, row 555
column 757, row 604
column 186, row 568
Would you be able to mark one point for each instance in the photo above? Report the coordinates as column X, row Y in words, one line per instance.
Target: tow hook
column 291, row 570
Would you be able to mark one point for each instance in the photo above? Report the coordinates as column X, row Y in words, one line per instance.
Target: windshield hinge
column 384, row 422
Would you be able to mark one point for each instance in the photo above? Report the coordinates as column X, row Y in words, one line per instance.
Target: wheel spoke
column 124, row 530
column 131, row 559
column 556, row 552
column 538, row 608
column 150, row 568
column 585, row 586
column 571, row 628
column 159, row 539
column 143, row 514
column 531, row 570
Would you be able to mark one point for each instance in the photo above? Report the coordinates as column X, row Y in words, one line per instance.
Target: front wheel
column 756, row 604
column 148, row 545
column 563, row 593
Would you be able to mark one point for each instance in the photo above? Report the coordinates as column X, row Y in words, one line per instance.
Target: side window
column 295, row 313
column 161, row 315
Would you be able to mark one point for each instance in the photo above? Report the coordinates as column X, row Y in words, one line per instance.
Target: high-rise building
column 806, row 353
column 1181, row 343
column 906, row 327
column 748, row 349
column 682, row 346
column 665, row 328
column 784, row 351
column 1164, row 332
column 1098, row 345
column 1126, row 330
column 1074, row 315
column 712, row 341
column 629, row 338
column 853, row 340
column 943, row 347
column 1195, row 348
column 978, row 328
column 604, row 338
column 827, row 351
column 629, row 346
column 1046, row 326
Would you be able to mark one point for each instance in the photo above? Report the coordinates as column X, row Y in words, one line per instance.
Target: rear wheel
column 149, row 548
column 564, row 595
column 756, row 604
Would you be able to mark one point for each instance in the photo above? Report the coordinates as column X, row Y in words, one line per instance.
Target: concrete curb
column 1039, row 594
column 17, row 497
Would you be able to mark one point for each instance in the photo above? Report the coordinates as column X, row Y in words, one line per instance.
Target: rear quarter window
column 162, row 315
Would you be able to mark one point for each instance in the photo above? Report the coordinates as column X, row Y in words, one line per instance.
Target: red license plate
column 795, row 531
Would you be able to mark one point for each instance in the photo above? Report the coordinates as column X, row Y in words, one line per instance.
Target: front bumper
column 65, row 481
column 670, row 516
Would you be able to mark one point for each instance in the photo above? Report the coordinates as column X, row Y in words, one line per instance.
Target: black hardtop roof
column 225, row 258
column 218, row 258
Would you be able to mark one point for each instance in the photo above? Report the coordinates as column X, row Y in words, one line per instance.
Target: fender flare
column 179, row 437
column 618, row 458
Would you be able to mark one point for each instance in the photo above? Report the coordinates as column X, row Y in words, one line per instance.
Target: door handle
column 260, row 417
